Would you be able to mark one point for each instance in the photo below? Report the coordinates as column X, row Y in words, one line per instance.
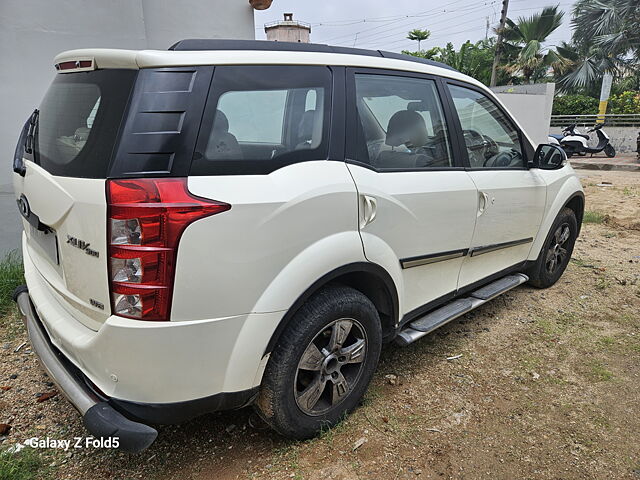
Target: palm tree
column 419, row 35
column 606, row 38
column 584, row 65
column 611, row 25
column 524, row 41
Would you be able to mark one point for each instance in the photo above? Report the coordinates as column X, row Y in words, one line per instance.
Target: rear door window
column 401, row 123
column 261, row 118
column 79, row 120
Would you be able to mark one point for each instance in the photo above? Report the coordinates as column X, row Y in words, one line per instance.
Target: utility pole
column 496, row 57
column 486, row 30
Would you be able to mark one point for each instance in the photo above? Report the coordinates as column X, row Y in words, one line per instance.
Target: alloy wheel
column 330, row 366
column 557, row 253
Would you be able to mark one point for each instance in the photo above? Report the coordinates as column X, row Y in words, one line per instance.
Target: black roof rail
column 194, row 44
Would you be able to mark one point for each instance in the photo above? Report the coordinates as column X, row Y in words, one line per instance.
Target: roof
column 257, row 52
column 262, row 45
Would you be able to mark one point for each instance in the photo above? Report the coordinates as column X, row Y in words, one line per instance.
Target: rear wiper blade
column 33, row 121
column 25, row 143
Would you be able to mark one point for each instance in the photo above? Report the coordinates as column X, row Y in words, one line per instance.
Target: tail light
column 146, row 219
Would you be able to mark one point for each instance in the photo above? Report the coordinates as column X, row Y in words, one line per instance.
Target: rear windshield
column 79, row 121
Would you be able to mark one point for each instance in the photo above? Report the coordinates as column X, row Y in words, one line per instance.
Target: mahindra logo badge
column 23, row 206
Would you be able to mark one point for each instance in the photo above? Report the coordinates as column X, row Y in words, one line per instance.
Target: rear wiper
column 25, row 143
column 33, row 121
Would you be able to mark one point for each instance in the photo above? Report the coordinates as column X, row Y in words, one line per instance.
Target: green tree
column 606, row 38
column 582, row 68
column 524, row 43
column 473, row 59
column 611, row 25
column 419, row 35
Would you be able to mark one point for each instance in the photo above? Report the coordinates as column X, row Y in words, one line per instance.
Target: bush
column 625, row 103
column 24, row 465
column 575, row 105
column 11, row 275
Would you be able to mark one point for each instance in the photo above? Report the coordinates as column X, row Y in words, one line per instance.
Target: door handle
column 483, row 202
column 369, row 210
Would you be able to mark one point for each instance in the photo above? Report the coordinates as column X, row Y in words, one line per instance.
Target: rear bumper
column 111, row 417
column 100, row 418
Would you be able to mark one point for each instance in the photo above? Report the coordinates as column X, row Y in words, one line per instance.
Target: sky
column 383, row 24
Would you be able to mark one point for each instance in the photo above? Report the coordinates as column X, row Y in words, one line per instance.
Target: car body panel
column 562, row 185
column 413, row 211
column 513, row 207
column 301, row 219
column 75, row 208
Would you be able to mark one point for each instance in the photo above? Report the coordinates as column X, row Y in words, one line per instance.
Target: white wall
column 32, row 32
column 531, row 105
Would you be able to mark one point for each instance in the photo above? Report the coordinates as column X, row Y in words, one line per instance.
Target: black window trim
column 525, row 147
column 351, row 118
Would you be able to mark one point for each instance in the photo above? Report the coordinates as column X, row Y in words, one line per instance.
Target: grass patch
column 593, row 217
column 606, row 341
column 583, row 263
column 602, row 283
column 11, row 275
column 557, row 326
column 599, row 373
column 24, row 465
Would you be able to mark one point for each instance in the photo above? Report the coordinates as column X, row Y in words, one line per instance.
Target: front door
column 417, row 203
column 511, row 198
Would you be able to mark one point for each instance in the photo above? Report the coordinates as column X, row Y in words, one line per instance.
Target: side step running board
column 435, row 319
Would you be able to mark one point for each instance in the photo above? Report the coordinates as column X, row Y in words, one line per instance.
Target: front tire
column 556, row 251
column 322, row 364
column 609, row 151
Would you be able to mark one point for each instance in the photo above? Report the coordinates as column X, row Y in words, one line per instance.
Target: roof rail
column 227, row 44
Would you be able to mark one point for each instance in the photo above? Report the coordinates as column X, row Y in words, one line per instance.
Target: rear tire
column 322, row 364
column 609, row 151
column 556, row 251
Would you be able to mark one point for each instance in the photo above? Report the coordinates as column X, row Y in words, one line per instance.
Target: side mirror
column 549, row 157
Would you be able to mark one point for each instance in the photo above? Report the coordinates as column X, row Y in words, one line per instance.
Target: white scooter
column 575, row 143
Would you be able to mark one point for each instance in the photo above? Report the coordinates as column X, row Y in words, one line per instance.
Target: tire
column 556, row 251
column 288, row 400
column 609, row 151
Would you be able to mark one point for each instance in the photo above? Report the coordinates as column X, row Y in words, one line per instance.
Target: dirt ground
column 547, row 387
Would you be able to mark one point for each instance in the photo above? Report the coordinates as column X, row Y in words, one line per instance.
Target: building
column 288, row 30
column 32, row 32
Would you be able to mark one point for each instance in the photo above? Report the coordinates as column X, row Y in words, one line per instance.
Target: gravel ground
column 547, row 386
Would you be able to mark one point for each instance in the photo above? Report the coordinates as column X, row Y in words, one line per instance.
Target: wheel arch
column 370, row 279
column 568, row 195
column 576, row 203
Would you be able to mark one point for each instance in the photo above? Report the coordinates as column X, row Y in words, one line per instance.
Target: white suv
column 237, row 222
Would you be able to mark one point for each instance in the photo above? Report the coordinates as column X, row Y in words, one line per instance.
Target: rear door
column 62, row 193
column 417, row 204
column 511, row 197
